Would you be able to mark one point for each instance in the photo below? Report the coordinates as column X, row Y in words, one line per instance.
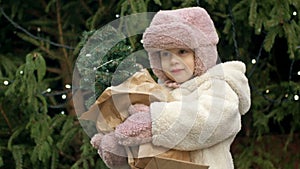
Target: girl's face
column 178, row 64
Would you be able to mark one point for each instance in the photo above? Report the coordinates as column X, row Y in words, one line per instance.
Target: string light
column 39, row 29
column 295, row 13
column 64, row 96
column 88, row 55
column 286, row 95
column 21, row 72
column 258, row 30
column 48, row 90
column 267, row 91
column 296, row 97
column 16, row 25
column 253, row 61
column 67, row 86
column 298, row 73
column 142, row 41
column 6, row 82
column 62, row 112
column 117, row 15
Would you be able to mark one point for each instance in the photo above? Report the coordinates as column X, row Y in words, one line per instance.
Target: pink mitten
column 135, row 130
column 96, row 140
column 137, row 108
column 112, row 153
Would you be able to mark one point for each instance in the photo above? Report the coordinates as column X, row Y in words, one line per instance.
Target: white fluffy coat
column 206, row 116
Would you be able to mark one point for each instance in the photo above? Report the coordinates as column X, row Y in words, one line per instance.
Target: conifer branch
column 67, row 156
column 67, row 60
column 6, row 119
column 86, row 7
column 234, row 33
column 16, row 25
column 291, row 69
column 54, row 70
column 60, row 32
column 257, row 59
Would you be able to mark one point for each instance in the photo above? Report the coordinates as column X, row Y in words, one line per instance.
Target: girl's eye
column 182, row 51
column 165, row 53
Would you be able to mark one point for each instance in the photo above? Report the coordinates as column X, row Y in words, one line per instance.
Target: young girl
column 209, row 99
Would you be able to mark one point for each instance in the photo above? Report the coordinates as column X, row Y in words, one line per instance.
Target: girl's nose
column 174, row 59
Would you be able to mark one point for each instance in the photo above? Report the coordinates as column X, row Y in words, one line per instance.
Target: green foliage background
column 40, row 41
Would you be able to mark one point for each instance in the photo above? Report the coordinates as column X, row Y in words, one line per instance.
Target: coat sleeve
column 199, row 120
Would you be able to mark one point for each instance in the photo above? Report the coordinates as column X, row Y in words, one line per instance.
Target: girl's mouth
column 176, row 70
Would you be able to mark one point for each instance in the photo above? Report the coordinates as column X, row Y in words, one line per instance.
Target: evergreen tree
column 41, row 40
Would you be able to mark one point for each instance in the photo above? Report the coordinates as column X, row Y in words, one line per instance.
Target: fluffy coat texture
column 182, row 28
column 206, row 116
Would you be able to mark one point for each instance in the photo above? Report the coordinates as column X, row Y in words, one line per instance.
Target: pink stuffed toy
column 136, row 129
column 112, row 153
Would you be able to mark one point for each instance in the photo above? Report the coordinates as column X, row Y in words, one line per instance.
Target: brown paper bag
column 167, row 163
column 148, row 150
column 111, row 109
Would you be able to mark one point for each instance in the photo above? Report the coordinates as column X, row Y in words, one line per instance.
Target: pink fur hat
column 182, row 28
